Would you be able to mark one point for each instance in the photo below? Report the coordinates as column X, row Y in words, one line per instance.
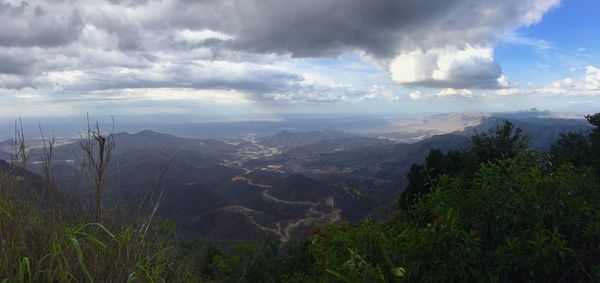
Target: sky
column 233, row 59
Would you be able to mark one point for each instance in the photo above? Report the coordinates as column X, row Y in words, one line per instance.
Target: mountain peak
column 147, row 132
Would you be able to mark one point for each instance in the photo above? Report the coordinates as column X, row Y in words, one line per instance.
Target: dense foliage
column 493, row 211
column 502, row 141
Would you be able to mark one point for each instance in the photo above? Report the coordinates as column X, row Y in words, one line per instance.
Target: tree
column 510, row 220
column 593, row 119
column 421, row 176
column 502, row 141
column 571, row 147
column 594, row 139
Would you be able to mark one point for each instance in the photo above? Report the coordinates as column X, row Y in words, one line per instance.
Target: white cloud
column 536, row 10
column 452, row 92
column 415, row 95
column 592, row 78
column 503, row 81
column 588, row 85
column 388, row 93
column 506, row 92
column 468, row 67
column 195, row 36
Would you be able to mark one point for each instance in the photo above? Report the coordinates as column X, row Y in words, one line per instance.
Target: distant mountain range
column 278, row 185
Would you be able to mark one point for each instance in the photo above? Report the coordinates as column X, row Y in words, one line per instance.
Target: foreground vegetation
column 46, row 238
column 494, row 211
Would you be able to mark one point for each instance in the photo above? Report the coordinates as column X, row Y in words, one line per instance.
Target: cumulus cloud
column 449, row 67
column 588, row 85
column 592, row 78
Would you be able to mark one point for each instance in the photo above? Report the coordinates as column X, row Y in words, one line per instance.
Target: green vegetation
column 494, row 211
column 45, row 238
column 502, row 142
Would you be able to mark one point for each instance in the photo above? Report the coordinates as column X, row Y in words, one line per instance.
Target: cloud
column 382, row 28
column 442, row 44
column 592, row 78
column 14, row 62
column 449, row 67
column 40, row 24
column 452, row 92
column 200, row 74
column 378, row 92
column 86, row 46
column 129, row 3
column 506, row 92
column 415, row 95
column 588, row 85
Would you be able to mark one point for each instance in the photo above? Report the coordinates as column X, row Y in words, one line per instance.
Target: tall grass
column 46, row 238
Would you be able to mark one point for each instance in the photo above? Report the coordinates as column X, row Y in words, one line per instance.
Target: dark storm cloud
column 28, row 24
column 382, row 28
column 14, row 63
column 126, row 31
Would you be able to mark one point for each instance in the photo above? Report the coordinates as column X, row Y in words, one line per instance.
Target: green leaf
column 24, row 270
column 398, row 271
column 79, row 252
